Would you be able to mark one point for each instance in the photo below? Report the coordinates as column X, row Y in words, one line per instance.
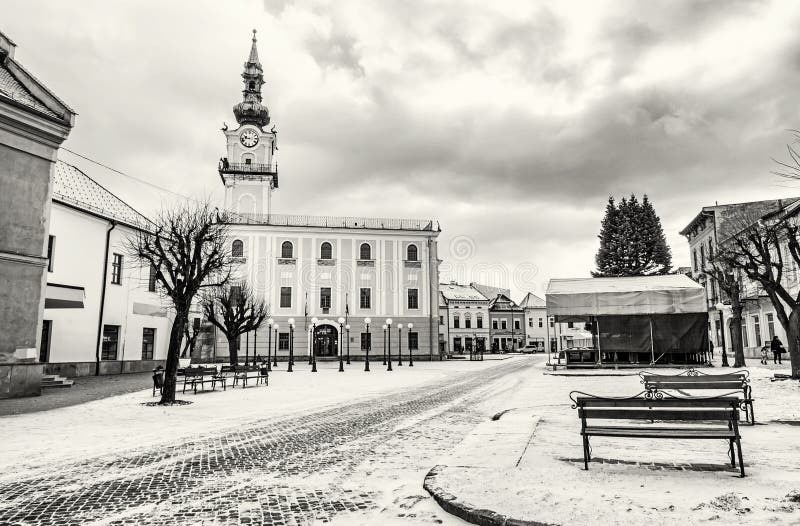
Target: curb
column 462, row 510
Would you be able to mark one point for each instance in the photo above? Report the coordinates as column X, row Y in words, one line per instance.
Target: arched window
column 287, row 250
column 366, row 251
column 326, row 251
column 411, row 253
column 237, row 248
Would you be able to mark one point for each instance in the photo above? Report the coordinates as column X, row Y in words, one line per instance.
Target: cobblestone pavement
column 363, row 463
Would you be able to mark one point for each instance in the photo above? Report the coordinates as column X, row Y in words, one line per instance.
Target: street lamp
column 399, row 344
column 721, row 306
column 410, row 354
column 369, row 344
column 347, row 328
column 389, row 341
column 384, row 344
column 270, row 321
column 291, row 344
column 275, row 355
column 314, row 345
column 341, row 339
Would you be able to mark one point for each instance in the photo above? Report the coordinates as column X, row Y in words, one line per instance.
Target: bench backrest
column 728, row 382
column 199, row 371
column 671, row 409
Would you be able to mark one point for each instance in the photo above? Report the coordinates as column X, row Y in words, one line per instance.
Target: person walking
column 764, row 354
column 711, row 348
column 777, row 349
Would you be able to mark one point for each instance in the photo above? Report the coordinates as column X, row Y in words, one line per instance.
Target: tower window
column 252, row 85
column 287, row 250
column 326, row 251
column 366, row 251
column 248, row 160
column 237, row 248
column 411, row 253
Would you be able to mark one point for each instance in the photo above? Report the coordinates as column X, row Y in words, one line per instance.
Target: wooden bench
column 660, row 416
column 260, row 374
column 694, row 380
column 194, row 376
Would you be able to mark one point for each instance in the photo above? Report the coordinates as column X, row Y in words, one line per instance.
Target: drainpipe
column 102, row 300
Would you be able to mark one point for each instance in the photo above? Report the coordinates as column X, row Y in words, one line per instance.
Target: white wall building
column 537, row 330
column 101, row 310
column 463, row 319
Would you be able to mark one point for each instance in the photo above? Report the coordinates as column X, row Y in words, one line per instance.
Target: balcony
column 361, row 223
column 248, row 171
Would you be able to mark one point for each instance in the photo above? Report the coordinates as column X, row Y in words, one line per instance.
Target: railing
column 375, row 223
column 225, row 166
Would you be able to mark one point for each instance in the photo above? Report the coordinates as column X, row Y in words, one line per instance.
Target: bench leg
column 741, row 460
column 585, row 453
column 752, row 413
column 732, row 453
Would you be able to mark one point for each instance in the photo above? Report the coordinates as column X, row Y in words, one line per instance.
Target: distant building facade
column 33, row 124
column 507, row 324
column 537, row 329
column 463, row 319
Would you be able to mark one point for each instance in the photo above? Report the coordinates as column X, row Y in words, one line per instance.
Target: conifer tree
column 632, row 241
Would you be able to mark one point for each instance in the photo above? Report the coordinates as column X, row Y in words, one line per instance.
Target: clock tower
column 249, row 171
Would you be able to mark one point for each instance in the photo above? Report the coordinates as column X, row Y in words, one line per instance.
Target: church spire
column 250, row 110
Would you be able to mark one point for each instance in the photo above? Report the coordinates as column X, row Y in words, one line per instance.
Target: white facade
column 79, row 226
column 463, row 319
column 537, row 330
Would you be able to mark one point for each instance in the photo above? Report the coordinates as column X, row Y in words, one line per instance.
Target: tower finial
column 254, row 35
column 250, row 110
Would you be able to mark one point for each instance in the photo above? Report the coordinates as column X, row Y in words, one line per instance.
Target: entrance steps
column 53, row 380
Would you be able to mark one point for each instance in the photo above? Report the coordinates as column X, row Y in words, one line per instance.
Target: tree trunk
column 233, row 350
column 793, row 343
column 173, row 352
column 737, row 345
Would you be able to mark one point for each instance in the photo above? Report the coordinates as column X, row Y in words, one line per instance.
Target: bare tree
column 720, row 269
column 234, row 310
column 186, row 247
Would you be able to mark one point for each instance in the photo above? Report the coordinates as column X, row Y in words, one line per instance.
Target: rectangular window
column 757, row 331
column 286, row 297
column 413, row 298
column 456, row 322
column 51, row 248
column 283, row 341
column 148, row 343
column 468, row 344
column 441, row 320
column 151, row 280
column 694, row 259
column 503, row 324
column 467, row 322
column 570, row 325
column 552, row 322
column 413, row 341
column 530, row 322
column 116, row 270
column 325, row 298
column 541, row 323
column 366, row 298
column 110, row 342
column 457, row 345
column 480, row 322
column 745, row 343
column 494, row 324
column 366, row 341
column 770, row 325
column 516, row 325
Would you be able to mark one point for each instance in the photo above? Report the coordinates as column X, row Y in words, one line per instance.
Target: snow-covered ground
column 639, row 481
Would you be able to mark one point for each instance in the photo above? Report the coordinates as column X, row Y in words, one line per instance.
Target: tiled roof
column 73, row 187
column 11, row 88
column 531, row 300
column 453, row 291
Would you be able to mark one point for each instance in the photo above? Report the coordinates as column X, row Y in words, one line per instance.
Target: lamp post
column 270, row 321
column 314, row 345
column 721, row 306
column 389, row 342
column 369, row 344
column 384, row 344
column 410, row 354
column 347, row 328
column 291, row 344
column 341, row 349
column 275, row 354
column 399, row 344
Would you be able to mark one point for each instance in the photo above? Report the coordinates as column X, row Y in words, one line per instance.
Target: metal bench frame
column 650, row 406
column 202, row 375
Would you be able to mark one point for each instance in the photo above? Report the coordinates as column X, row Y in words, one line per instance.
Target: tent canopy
column 670, row 294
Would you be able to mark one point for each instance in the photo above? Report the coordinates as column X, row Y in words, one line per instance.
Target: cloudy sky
column 510, row 124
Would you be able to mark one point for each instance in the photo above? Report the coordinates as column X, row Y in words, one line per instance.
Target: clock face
column 249, row 138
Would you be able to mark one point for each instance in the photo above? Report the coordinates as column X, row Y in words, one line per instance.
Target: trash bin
column 158, row 379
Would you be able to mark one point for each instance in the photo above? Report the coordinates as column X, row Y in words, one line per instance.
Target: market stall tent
column 641, row 319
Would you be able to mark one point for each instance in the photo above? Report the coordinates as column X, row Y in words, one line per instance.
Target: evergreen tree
column 632, row 241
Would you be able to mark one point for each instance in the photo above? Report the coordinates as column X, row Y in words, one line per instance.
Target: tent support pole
column 652, row 349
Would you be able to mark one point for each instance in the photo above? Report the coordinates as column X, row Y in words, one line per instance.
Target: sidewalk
column 527, row 466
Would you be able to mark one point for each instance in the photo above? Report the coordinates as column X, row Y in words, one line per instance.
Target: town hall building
column 347, row 284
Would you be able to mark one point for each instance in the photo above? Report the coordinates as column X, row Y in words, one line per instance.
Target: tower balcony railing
column 247, row 168
column 374, row 223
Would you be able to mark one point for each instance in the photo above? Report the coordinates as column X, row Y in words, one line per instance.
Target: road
column 359, row 463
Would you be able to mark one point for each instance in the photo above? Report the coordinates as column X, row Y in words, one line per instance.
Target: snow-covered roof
column 73, row 187
column 531, row 301
column 454, row 291
column 670, row 294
